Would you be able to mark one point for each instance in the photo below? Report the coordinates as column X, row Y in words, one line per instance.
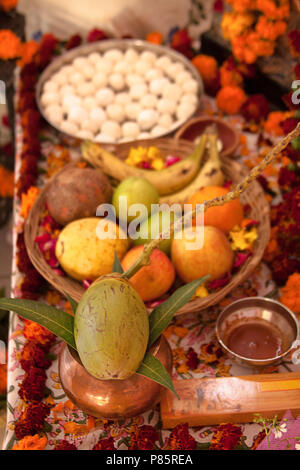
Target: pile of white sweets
column 119, row 96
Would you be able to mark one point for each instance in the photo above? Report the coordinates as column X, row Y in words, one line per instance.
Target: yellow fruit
column 111, row 329
column 83, row 255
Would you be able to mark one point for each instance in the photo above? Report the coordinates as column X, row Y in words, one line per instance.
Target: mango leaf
column 162, row 315
column 72, row 302
column 55, row 320
column 152, row 368
column 117, row 268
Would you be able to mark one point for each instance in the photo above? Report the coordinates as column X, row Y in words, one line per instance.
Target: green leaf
column 152, row 368
column 55, row 320
column 117, row 268
column 162, row 315
column 72, row 302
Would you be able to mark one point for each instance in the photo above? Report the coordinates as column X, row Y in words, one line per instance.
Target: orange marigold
column 207, row 66
column 37, row 333
column 270, row 29
column 28, row 51
column 290, row 293
column 155, row 37
column 230, row 99
column 242, row 5
column 31, row 443
column 3, row 379
column 8, row 5
column 234, row 24
column 272, row 124
column 27, row 200
column 10, row 45
column 6, row 182
column 230, row 76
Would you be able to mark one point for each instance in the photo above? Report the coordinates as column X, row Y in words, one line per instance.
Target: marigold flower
column 180, row 438
column 46, row 50
column 272, row 124
column 32, row 387
column 290, row 293
column 226, row 437
column 38, row 334
column 242, row 5
column 155, row 37
column 3, row 379
column 255, row 108
column 74, row 41
column 65, row 445
column 32, row 420
column 230, row 99
column 207, row 66
column 96, row 35
column 31, row 443
column 235, row 24
column 294, row 42
column 33, row 355
column 6, row 182
column 27, row 200
column 10, row 45
column 143, row 438
column 230, row 76
column 28, row 51
column 105, row 444
column 270, row 30
column 8, row 5
column 181, row 42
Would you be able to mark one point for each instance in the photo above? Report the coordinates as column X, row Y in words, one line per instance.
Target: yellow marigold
column 272, row 124
column 31, row 443
column 290, row 293
column 230, row 99
column 8, row 5
column 27, row 200
column 207, row 67
column 234, row 24
column 10, row 45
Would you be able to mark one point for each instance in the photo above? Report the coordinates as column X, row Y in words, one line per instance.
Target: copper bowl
column 265, row 311
column 227, row 133
column 111, row 399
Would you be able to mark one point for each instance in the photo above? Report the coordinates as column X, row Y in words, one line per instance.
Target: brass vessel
column 111, row 399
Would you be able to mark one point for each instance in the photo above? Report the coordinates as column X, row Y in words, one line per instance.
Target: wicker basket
column 253, row 196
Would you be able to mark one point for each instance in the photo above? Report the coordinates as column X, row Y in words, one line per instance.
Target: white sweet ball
column 183, row 77
column 132, row 110
column 184, row 110
column 66, row 90
column 144, row 135
column 105, row 96
column 165, row 120
column 54, row 113
column 80, row 62
column 138, row 90
column 49, row 98
column 114, row 55
column 69, row 127
column 122, row 98
column 77, row 114
column 104, row 66
column 115, row 112
column 85, row 134
column 148, row 56
column 189, row 98
column 148, row 101
column 191, row 86
column 172, row 92
column 163, row 62
column 88, row 71
column 124, row 139
column 121, row 67
column 131, row 56
column 94, row 57
column 76, row 78
column 174, row 69
column 88, row 103
column 158, row 130
column 60, row 78
column 165, row 105
column 152, row 74
column 90, row 125
column 142, row 66
column 55, row 118
column 86, row 89
column 133, row 79
column 98, row 116
column 50, row 86
column 111, row 128
column 116, row 81
column 67, row 70
column 100, row 79
column 130, row 129
column 69, row 101
column 157, row 85
column 147, row 118
column 108, row 139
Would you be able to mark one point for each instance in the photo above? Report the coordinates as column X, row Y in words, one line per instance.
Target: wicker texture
column 253, row 196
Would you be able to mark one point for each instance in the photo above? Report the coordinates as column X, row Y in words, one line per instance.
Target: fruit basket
column 253, row 197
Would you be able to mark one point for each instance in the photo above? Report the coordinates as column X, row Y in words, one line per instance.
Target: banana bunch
column 209, row 175
column 166, row 181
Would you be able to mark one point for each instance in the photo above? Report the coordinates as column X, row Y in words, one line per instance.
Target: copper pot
column 111, row 399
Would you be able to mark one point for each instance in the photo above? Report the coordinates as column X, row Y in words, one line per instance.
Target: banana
column 166, row 181
column 210, row 174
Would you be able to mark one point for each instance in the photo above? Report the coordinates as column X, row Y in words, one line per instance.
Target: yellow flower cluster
column 146, row 155
column 242, row 238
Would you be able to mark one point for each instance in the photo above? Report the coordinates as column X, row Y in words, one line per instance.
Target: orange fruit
column 222, row 217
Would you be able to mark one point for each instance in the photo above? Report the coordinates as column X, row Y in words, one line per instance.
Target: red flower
column 33, row 385
column 144, row 438
column 288, row 125
column 74, row 41
column 226, row 437
column 33, row 355
column 181, row 42
column 96, row 35
column 26, row 101
column 192, row 359
column 180, row 438
column 65, row 445
column 32, row 420
column 46, row 50
column 294, row 42
column 219, row 282
column 255, row 108
column 287, row 99
column 105, row 444
column 240, row 259
column 218, row 6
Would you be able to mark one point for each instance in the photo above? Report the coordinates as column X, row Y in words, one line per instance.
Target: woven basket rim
column 74, row 288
